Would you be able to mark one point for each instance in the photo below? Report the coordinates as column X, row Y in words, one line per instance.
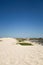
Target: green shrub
column 25, row 44
column 20, row 39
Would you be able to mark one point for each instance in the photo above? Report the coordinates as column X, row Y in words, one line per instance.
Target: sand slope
column 12, row 54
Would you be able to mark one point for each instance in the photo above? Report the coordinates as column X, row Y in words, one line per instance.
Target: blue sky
column 21, row 18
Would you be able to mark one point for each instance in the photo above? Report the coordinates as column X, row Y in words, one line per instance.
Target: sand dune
column 12, row 54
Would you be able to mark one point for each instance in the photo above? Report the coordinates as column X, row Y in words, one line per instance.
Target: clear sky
column 21, row 18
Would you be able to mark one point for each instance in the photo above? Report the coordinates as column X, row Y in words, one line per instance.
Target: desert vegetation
column 25, row 44
column 21, row 42
column 21, row 39
column 37, row 40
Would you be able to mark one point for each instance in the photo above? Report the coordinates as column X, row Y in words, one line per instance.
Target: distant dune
column 14, row 54
column 8, row 40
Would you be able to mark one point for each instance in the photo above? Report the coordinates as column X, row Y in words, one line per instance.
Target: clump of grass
column 25, row 44
column 20, row 39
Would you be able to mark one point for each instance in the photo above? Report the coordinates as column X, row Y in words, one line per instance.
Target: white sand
column 12, row 54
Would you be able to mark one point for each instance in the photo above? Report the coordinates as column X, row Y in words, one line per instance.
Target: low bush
column 25, row 44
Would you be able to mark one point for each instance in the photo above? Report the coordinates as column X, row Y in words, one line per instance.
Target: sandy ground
column 12, row 54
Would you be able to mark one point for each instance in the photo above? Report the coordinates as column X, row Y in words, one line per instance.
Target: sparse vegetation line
column 25, row 44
